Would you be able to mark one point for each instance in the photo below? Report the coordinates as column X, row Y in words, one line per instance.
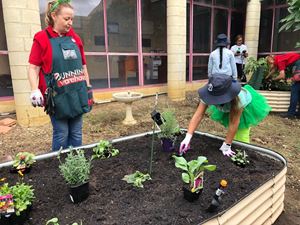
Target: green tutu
column 252, row 114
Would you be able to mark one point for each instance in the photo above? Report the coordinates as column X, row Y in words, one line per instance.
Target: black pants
column 240, row 72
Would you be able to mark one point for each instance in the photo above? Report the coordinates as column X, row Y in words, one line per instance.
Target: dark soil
column 113, row 201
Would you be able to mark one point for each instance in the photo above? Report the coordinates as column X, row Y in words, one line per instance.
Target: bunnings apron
column 66, row 94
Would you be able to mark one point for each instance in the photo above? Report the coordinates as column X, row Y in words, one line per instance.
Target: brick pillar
column 22, row 21
column 176, row 43
column 252, row 27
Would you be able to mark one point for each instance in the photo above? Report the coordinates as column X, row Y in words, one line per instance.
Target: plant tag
column 198, row 182
column 6, row 204
column 71, row 197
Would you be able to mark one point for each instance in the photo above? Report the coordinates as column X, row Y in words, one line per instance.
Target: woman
column 240, row 53
column 221, row 60
column 280, row 63
column 234, row 107
column 58, row 75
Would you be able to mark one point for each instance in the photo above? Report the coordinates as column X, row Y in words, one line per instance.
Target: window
column 270, row 39
column 201, row 29
column 122, row 25
column 5, row 75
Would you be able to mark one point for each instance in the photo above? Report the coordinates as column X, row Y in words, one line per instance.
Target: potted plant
column 193, row 175
column 137, row 178
column 15, row 203
column 104, row 150
column 169, row 130
column 240, row 158
column 76, row 170
column 23, row 162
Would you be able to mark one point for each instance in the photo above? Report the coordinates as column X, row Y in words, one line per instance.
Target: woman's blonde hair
column 50, row 9
column 270, row 59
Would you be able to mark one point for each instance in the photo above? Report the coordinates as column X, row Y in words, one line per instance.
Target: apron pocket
column 68, row 105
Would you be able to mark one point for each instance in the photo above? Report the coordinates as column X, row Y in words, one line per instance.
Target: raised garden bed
column 113, row 201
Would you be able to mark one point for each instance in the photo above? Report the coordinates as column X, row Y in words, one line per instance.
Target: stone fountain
column 128, row 97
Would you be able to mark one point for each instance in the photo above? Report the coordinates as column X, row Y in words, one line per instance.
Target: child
column 234, row 107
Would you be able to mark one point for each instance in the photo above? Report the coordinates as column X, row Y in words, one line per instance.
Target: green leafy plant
column 259, row 81
column 76, row 168
column 252, row 65
column 240, row 158
column 137, row 178
column 104, row 150
column 54, row 221
column 292, row 21
column 170, row 127
column 192, row 169
column 23, row 160
column 23, row 195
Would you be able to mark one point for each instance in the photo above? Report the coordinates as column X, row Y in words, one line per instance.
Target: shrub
column 76, row 168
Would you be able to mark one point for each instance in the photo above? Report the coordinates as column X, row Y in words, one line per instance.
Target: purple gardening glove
column 36, row 98
column 185, row 144
column 226, row 150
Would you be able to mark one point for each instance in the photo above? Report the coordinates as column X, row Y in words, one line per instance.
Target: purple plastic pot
column 167, row 145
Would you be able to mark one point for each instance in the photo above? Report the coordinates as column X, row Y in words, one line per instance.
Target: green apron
column 66, row 94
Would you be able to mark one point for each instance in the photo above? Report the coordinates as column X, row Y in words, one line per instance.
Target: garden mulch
column 114, row 202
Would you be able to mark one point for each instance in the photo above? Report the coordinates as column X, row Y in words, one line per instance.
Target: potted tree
column 15, row 204
column 193, row 175
column 76, row 170
column 23, row 162
column 169, row 130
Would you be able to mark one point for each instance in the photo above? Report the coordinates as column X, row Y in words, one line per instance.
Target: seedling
column 193, row 171
column 23, row 160
column 20, row 195
column 137, row 178
column 240, row 158
column 104, row 150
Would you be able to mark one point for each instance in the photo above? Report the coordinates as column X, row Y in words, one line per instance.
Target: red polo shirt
column 283, row 61
column 41, row 52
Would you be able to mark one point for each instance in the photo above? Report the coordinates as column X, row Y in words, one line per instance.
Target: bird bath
column 128, row 97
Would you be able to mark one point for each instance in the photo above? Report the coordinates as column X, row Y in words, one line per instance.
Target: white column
column 252, row 27
column 176, row 44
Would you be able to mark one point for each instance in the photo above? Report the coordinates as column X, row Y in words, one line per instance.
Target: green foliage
column 54, row 221
column 170, row 127
column 240, row 158
column 76, row 168
column 292, row 21
column 252, row 65
column 104, row 150
column 137, row 178
column 24, row 158
column 192, row 168
column 259, row 69
column 22, row 194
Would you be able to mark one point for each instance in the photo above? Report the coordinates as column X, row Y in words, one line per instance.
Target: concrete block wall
column 22, row 21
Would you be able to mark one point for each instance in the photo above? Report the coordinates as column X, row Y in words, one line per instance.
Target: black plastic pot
column 167, row 145
column 13, row 219
column 79, row 193
column 191, row 196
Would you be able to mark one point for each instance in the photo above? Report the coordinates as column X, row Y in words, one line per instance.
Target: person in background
column 221, row 60
column 235, row 107
column 280, row 63
column 240, row 54
column 58, row 75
